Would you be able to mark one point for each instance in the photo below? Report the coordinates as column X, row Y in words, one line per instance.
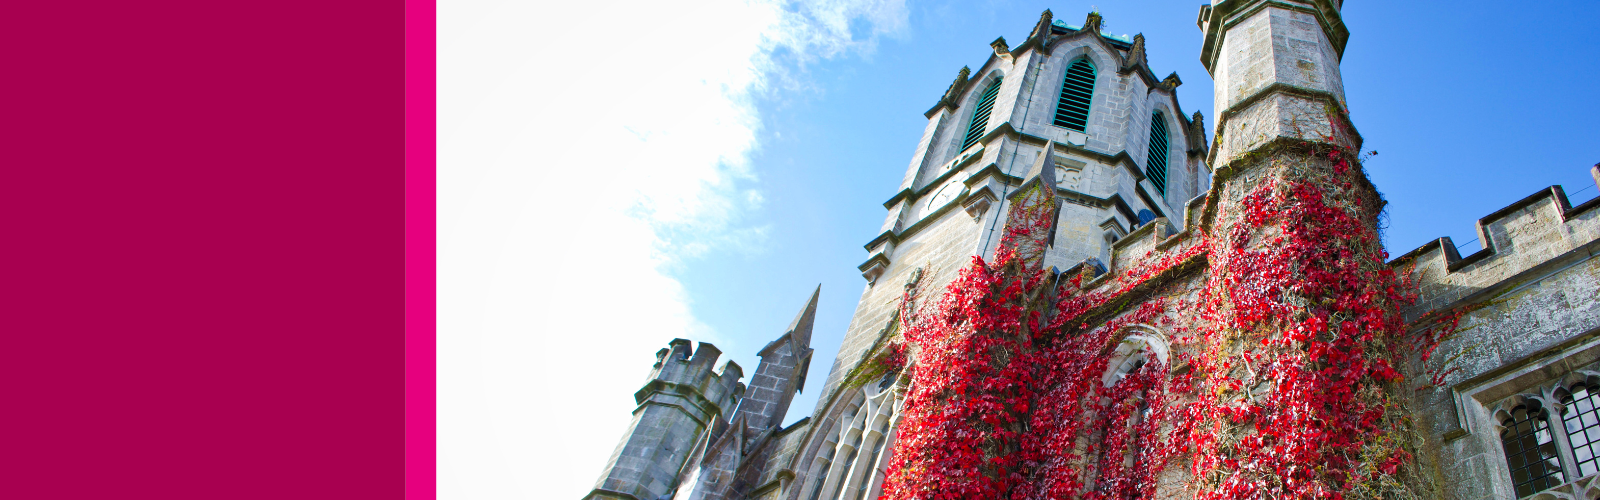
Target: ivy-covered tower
column 1071, row 118
column 1064, row 301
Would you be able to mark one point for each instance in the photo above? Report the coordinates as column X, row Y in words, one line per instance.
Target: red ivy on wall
column 1282, row 382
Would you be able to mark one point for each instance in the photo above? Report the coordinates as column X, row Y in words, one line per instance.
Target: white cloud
column 582, row 148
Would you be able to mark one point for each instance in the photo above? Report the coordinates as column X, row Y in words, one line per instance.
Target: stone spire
column 1136, row 55
column 1044, row 166
column 782, row 371
column 1197, row 134
column 952, row 95
column 800, row 328
column 1092, row 23
column 1040, row 36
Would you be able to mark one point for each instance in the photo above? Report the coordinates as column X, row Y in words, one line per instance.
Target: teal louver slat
column 1077, row 88
column 980, row 115
column 1156, row 165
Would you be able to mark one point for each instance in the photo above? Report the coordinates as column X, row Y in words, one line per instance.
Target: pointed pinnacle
column 801, row 326
column 1045, row 167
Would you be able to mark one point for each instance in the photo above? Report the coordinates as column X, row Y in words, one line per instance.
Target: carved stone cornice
column 952, row 95
column 1001, row 50
column 1136, row 56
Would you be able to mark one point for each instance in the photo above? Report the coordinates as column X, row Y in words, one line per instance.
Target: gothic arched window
column 1530, row 448
column 980, row 114
column 1582, row 420
column 850, row 461
column 1155, row 165
column 851, row 472
column 1134, row 373
column 1551, row 435
column 1077, row 87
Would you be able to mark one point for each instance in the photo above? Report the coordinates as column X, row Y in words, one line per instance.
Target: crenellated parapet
column 685, row 402
column 1517, row 243
column 684, row 376
column 1519, row 315
column 1151, row 253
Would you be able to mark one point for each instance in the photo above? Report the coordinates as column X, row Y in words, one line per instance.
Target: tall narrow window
column 1155, row 167
column 849, row 461
column 1072, row 109
column 1530, row 451
column 872, row 468
column 980, row 115
column 1582, row 419
column 822, row 477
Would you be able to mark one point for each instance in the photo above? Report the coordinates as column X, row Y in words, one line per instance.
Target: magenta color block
column 204, row 293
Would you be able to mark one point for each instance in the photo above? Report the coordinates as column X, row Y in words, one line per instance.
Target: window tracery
column 1581, row 420
column 856, row 449
column 1133, row 372
column 1530, row 448
column 1551, row 437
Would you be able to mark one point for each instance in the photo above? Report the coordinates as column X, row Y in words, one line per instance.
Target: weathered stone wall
column 1528, row 305
column 770, row 473
column 680, row 400
column 1037, row 116
column 935, row 226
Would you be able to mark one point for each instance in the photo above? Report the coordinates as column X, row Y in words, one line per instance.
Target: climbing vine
column 1284, row 379
column 1297, row 345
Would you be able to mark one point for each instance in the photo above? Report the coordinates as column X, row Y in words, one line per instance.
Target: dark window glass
column 872, row 464
column 849, row 461
column 1583, row 427
column 1530, row 451
column 816, row 486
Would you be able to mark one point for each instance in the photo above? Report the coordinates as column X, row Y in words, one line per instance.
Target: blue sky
column 611, row 181
column 1469, row 107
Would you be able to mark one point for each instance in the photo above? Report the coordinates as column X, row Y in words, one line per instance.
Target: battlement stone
column 685, row 372
column 1149, row 247
column 1532, row 234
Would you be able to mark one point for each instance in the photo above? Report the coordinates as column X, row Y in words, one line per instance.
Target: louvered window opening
column 1156, row 165
column 1072, row 109
column 1582, row 419
column 980, row 115
column 1530, row 451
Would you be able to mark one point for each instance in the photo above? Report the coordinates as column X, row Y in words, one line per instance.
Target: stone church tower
column 1504, row 399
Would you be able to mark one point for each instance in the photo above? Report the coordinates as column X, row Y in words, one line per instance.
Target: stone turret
column 722, row 453
column 682, row 398
column 1276, row 68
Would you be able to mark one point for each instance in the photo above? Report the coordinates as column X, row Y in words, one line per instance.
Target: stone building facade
column 1504, row 402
